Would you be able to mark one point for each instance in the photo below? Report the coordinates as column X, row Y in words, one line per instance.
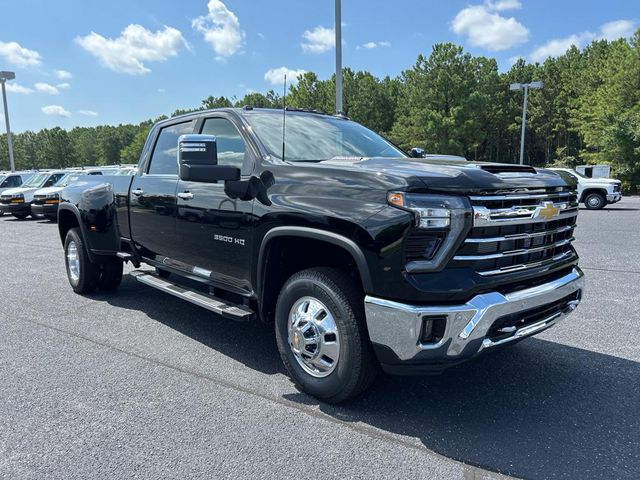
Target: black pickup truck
column 360, row 255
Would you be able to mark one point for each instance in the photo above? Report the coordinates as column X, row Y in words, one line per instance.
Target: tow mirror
column 416, row 152
column 198, row 160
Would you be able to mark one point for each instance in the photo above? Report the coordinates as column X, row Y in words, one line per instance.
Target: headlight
column 52, row 195
column 448, row 217
column 431, row 211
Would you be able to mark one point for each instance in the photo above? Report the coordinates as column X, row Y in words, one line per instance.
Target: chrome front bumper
column 397, row 326
column 614, row 197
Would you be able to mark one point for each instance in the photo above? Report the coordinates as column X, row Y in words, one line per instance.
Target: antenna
column 284, row 112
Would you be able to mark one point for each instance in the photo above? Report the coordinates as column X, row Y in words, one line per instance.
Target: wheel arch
column 329, row 248
column 588, row 191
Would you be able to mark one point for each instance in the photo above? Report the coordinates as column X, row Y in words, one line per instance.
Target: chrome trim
column 485, row 217
column 497, row 198
column 519, row 236
column 526, row 266
column 397, row 325
column 512, row 253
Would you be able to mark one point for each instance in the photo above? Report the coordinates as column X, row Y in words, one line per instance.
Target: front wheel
column 322, row 335
column 595, row 201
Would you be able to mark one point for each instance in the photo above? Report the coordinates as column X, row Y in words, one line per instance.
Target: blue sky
column 95, row 62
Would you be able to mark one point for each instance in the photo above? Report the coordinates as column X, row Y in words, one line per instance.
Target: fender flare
column 315, row 234
column 69, row 207
column 589, row 190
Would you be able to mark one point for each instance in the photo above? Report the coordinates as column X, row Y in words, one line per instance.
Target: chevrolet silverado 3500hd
column 361, row 256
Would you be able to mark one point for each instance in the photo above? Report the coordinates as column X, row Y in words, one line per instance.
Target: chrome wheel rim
column 313, row 337
column 73, row 261
column 594, row 201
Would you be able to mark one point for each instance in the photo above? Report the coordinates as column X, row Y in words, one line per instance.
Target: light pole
column 338, row 31
column 4, row 76
column 525, row 87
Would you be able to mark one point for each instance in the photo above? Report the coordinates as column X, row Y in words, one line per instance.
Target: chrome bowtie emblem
column 547, row 211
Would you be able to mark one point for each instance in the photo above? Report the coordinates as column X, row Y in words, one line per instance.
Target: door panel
column 213, row 230
column 153, row 205
column 153, row 195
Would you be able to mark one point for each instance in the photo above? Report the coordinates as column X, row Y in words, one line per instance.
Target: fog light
column 433, row 328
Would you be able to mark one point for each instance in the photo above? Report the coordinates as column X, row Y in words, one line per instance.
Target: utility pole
column 525, row 87
column 338, row 31
column 4, row 76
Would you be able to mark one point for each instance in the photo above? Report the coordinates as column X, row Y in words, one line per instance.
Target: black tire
column 595, row 201
column 162, row 273
column 89, row 272
column 110, row 274
column 20, row 216
column 356, row 366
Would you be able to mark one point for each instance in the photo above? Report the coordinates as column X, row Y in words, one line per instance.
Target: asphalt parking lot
column 140, row 384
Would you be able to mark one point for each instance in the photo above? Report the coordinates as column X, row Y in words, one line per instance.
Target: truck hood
column 453, row 175
column 27, row 192
column 48, row 190
column 599, row 181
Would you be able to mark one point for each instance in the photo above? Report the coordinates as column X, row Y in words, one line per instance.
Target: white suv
column 595, row 193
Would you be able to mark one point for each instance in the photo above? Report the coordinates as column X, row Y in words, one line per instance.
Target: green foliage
column 449, row 102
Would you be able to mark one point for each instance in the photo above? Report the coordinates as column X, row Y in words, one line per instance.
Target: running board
column 216, row 305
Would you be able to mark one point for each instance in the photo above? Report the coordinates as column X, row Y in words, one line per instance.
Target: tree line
column 448, row 102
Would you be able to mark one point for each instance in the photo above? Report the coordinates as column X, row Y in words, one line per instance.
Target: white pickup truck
column 595, row 193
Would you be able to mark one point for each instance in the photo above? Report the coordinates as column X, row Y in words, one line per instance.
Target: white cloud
column 46, row 88
column 501, row 5
column 63, row 74
column 371, row 45
column 135, row 45
column 276, row 75
column 14, row 87
column 485, row 27
column 558, row 46
column 88, row 113
column 13, row 53
column 318, row 40
column 221, row 29
column 617, row 29
column 56, row 110
column 63, row 86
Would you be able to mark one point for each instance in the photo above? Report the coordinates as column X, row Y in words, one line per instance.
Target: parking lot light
column 4, row 76
column 524, row 86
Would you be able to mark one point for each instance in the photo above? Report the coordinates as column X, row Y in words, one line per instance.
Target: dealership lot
column 138, row 383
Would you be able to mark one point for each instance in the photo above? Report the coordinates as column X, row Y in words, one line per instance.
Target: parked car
column 17, row 201
column 595, row 193
column 12, row 180
column 361, row 256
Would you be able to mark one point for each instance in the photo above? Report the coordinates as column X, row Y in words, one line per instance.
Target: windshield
column 312, row 138
column 578, row 174
column 37, row 180
column 67, row 179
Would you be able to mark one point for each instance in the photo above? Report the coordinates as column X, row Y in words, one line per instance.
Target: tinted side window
column 230, row 144
column 53, row 179
column 14, row 181
column 164, row 159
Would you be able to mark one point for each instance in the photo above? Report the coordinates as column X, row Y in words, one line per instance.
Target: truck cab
column 362, row 257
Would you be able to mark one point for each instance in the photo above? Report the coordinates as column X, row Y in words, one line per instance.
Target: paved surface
column 139, row 384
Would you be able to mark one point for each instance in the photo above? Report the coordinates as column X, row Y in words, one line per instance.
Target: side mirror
column 198, row 160
column 416, row 152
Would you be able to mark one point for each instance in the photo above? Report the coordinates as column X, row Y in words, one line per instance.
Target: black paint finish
column 221, row 239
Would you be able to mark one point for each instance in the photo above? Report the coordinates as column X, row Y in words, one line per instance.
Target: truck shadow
column 251, row 343
column 536, row 410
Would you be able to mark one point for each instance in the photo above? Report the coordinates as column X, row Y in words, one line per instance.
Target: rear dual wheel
column 85, row 275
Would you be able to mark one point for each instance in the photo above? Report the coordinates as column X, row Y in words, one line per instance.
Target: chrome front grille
column 519, row 231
